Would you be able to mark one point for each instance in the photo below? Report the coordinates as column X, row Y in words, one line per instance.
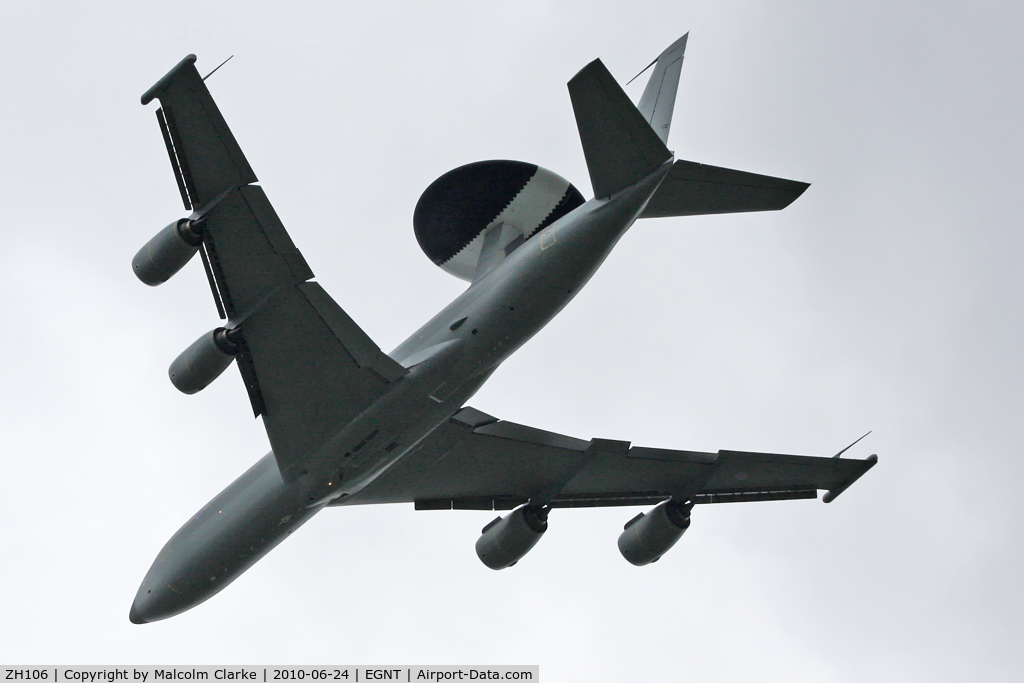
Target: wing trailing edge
column 477, row 462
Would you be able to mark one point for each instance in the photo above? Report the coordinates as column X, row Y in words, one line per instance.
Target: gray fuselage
column 447, row 364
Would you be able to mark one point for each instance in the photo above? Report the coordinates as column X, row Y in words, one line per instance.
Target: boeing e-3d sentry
column 351, row 425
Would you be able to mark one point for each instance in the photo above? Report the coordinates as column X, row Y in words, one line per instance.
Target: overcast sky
column 888, row 297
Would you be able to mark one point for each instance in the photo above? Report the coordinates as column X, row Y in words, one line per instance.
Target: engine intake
column 204, row 360
column 505, row 540
column 647, row 537
column 168, row 251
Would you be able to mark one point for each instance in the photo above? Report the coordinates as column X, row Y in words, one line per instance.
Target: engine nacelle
column 204, row 360
column 505, row 540
column 168, row 252
column 649, row 536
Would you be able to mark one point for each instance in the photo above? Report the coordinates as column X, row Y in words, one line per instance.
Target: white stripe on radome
column 463, row 264
column 524, row 213
column 532, row 205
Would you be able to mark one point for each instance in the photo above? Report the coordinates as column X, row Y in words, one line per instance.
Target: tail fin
column 623, row 144
column 659, row 98
column 695, row 189
column 619, row 145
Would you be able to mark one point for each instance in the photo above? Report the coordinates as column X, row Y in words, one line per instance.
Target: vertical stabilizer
column 659, row 98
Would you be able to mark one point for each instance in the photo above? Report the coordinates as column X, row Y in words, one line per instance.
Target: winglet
column 832, row 494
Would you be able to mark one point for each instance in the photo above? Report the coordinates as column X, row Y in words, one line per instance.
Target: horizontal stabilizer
column 619, row 145
column 693, row 189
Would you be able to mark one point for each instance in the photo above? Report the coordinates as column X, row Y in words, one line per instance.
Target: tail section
column 659, row 98
column 624, row 144
column 692, row 189
column 619, row 145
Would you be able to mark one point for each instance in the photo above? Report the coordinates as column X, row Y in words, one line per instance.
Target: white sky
column 888, row 297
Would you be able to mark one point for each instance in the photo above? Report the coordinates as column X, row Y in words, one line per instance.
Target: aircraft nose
column 148, row 605
column 134, row 616
column 158, row 598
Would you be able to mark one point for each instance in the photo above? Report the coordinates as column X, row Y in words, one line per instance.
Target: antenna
column 218, row 66
column 627, row 82
column 848, row 447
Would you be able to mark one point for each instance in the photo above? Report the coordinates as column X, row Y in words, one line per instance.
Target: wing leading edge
column 477, row 462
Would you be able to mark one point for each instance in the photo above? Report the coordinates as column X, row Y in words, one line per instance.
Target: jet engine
column 647, row 537
column 168, row 251
column 505, row 540
column 204, row 360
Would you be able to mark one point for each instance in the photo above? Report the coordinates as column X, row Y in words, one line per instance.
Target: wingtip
column 148, row 96
column 832, row 494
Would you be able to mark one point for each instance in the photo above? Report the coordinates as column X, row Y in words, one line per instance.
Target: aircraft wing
column 246, row 250
column 308, row 368
column 477, row 462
